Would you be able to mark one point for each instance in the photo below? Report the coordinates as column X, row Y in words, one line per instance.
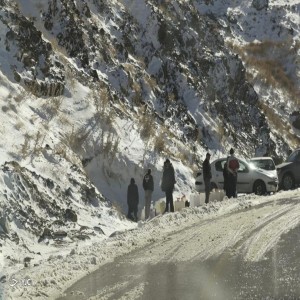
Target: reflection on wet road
column 225, row 276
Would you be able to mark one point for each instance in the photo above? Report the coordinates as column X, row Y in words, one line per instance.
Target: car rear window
column 220, row 165
column 266, row 164
column 295, row 156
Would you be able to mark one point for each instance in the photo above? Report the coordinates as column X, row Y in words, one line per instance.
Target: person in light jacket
column 148, row 186
column 232, row 171
column 132, row 200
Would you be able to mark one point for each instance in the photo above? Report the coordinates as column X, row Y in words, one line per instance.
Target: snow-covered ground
column 46, row 140
column 51, row 276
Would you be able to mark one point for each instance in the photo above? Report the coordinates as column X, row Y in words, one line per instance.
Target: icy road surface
column 250, row 254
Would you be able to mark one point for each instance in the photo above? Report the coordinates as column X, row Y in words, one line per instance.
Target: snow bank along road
column 241, row 255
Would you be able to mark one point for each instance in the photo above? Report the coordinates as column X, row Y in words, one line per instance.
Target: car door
column 217, row 170
column 244, row 180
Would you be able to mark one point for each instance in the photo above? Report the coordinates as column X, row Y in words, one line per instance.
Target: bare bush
column 137, row 95
column 110, row 146
column 76, row 138
column 33, row 144
column 221, row 131
column 159, row 143
column 19, row 125
column 129, row 67
column 183, row 156
column 5, row 108
column 38, row 143
column 272, row 71
column 56, row 47
column 61, row 150
column 281, row 126
column 105, row 114
column 52, row 107
column 147, row 125
column 25, row 148
column 19, row 97
column 151, row 81
column 70, row 76
column 64, row 120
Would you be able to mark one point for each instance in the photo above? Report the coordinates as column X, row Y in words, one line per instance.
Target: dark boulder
column 70, row 215
column 260, row 4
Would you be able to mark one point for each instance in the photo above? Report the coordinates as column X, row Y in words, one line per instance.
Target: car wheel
column 259, row 187
column 288, row 182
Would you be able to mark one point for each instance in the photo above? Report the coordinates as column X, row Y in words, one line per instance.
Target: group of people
column 133, row 196
column 167, row 185
column 168, row 182
column 230, row 170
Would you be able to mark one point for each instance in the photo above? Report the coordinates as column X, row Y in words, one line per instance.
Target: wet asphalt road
column 227, row 276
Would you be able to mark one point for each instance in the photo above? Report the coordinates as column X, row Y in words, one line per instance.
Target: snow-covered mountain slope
column 266, row 35
column 94, row 92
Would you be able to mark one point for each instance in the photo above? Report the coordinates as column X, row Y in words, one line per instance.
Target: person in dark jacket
column 225, row 177
column 207, row 176
column 132, row 200
column 148, row 188
column 167, row 184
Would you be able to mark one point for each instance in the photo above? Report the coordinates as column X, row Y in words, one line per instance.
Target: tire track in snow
column 243, row 235
column 249, row 233
column 268, row 234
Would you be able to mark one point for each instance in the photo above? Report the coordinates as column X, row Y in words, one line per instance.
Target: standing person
column 132, row 200
column 148, row 188
column 225, row 177
column 167, row 184
column 207, row 176
column 232, row 169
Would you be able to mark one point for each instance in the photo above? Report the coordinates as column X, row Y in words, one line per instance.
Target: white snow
column 53, row 268
column 64, row 266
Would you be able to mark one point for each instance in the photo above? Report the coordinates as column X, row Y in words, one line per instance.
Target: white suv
column 250, row 178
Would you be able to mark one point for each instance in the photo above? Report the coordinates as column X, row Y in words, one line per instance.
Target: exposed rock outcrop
column 260, row 4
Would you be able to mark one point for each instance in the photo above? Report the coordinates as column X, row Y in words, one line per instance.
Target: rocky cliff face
column 40, row 204
column 265, row 35
column 166, row 56
column 34, row 64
